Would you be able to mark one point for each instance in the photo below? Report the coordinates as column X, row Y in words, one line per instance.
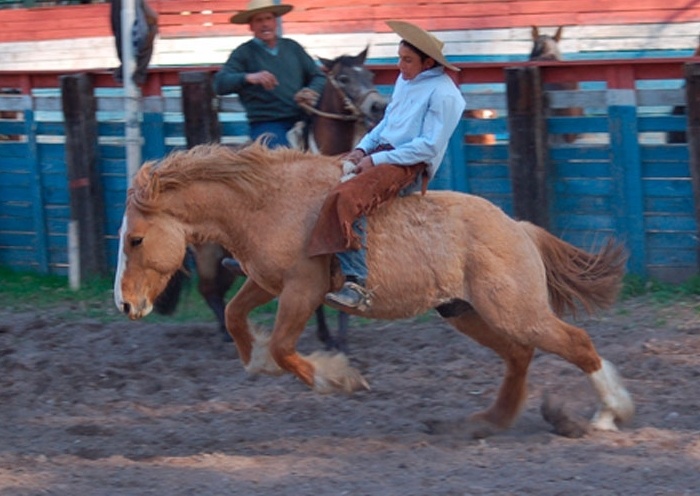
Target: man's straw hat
column 422, row 40
column 258, row 7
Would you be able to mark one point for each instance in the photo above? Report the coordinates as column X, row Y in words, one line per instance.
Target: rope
column 355, row 114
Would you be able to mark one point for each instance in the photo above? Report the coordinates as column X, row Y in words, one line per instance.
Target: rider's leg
column 353, row 263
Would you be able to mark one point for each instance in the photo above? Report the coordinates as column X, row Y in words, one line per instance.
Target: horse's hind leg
column 574, row 345
column 513, row 391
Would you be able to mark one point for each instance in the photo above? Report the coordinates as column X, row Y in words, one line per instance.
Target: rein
column 355, row 112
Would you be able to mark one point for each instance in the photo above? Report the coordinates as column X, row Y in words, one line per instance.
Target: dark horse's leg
column 340, row 342
column 213, row 281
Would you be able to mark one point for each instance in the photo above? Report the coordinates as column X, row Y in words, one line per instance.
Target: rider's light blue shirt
column 418, row 123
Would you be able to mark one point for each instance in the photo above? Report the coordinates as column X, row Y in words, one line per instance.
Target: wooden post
column 201, row 117
column 84, row 182
column 153, row 128
column 527, row 145
column 692, row 95
column 626, row 174
column 38, row 195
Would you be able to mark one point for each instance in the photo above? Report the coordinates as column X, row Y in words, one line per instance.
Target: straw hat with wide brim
column 422, row 40
column 258, row 7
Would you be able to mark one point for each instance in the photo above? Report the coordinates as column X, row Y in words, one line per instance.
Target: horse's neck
column 341, row 146
column 217, row 213
column 332, row 136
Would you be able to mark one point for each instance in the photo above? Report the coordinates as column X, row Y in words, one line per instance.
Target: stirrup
column 232, row 265
column 351, row 295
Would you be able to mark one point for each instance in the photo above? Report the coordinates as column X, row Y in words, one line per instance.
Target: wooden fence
column 619, row 178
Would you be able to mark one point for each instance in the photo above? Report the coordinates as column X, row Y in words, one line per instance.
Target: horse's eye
column 136, row 241
column 343, row 79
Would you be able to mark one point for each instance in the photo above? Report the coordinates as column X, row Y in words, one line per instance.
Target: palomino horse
column 348, row 107
column 546, row 47
column 502, row 282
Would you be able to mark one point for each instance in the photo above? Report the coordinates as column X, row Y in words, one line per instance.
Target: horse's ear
column 362, row 56
column 535, row 32
column 327, row 64
column 557, row 35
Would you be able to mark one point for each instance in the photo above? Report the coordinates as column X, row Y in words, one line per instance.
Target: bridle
column 352, row 107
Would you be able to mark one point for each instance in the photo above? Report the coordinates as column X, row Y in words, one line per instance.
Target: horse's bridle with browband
column 355, row 111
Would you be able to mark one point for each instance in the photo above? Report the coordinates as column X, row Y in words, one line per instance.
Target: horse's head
column 545, row 47
column 348, row 74
column 151, row 249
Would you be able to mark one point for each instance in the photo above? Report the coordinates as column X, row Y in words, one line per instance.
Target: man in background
column 270, row 74
column 143, row 35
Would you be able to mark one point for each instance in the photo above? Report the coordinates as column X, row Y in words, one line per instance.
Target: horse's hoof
column 225, row 336
column 563, row 422
column 332, row 373
column 604, row 420
column 345, row 384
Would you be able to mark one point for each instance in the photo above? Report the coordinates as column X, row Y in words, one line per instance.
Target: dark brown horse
column 546, row 47
column 348, row 107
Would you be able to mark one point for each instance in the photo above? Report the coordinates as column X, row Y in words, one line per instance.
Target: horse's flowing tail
column 576, row 277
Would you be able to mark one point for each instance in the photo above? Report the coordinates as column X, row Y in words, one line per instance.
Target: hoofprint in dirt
column 136, row 408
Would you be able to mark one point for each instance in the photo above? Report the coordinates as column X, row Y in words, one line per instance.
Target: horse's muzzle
column 135, row 312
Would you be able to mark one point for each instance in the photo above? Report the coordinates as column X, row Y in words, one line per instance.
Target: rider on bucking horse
column 399, row 156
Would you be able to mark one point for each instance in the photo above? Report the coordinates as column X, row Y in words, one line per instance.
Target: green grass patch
column 635, row 286
column 27, row 291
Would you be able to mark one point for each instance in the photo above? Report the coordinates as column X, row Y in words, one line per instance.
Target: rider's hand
column 306, row 96
column 264, row 78
column 364, row 165
column 354, row 156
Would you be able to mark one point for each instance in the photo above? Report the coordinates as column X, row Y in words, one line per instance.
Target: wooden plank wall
column 619, row 178
column 198, row 31
column 202, row 18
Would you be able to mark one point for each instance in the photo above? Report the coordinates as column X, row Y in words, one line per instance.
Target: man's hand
column 264, row 78
column 306, row 96
column 364, row 165
column 354, row 156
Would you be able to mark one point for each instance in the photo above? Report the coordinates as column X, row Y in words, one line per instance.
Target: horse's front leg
column 321, row 371
column 246, row 299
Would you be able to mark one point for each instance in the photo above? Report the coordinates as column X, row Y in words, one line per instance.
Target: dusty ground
column 136, row 408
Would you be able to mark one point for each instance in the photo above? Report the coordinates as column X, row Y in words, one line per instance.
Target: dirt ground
column 139, row 408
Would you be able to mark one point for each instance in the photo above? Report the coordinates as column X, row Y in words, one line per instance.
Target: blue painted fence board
column 611, row 183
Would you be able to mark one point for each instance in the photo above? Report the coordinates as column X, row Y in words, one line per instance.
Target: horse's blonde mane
column 250, row 170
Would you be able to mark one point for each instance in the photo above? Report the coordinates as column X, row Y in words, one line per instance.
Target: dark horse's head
column 545, row 47
column 357, row 83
